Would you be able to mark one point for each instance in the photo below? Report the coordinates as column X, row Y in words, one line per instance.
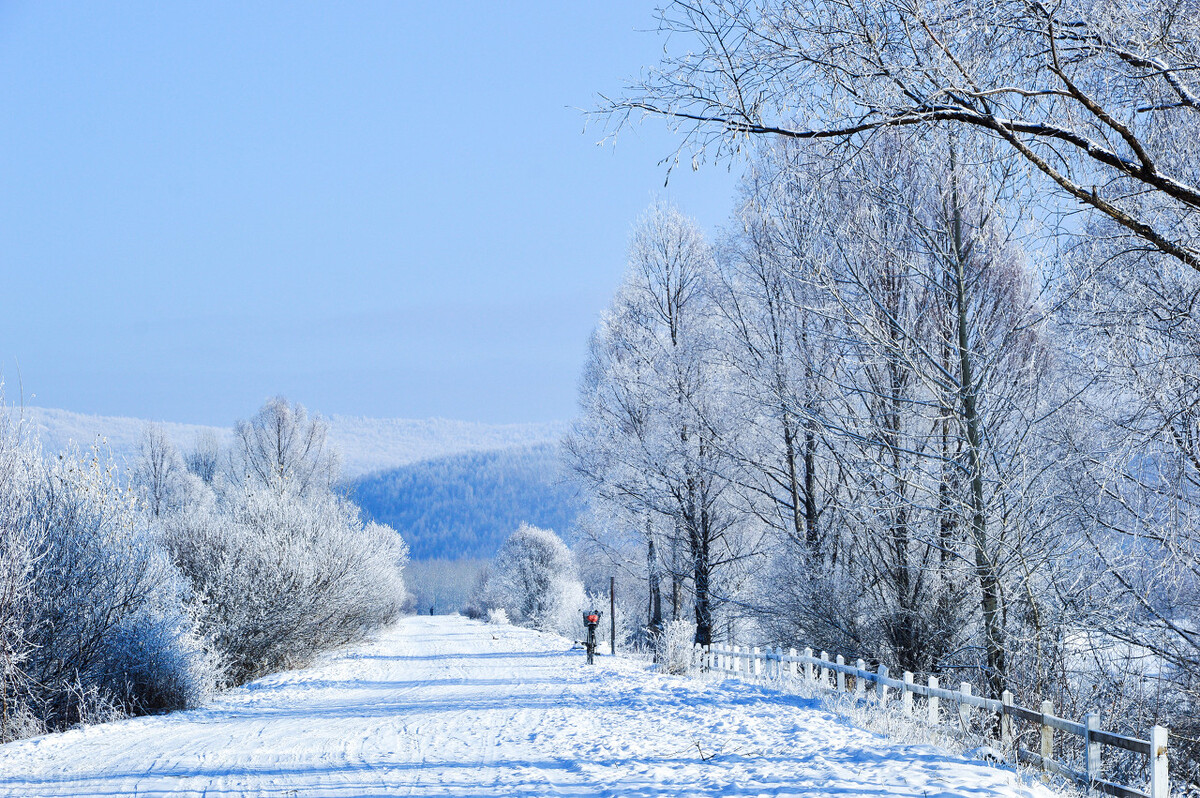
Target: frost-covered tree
column 160, row 477
column 1096, row 96
column 533, row 578
column 929, row 412
column 282, row 448
column 204, row 459
column 650, row 434
column 1134, row 476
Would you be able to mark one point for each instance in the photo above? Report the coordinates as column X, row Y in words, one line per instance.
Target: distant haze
column 366, row 444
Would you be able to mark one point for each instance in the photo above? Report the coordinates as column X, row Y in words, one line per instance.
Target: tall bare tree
column 646, row 437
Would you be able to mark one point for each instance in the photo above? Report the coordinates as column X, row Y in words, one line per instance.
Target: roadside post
column 612, row 615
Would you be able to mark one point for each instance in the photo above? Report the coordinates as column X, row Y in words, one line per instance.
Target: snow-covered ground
column 445, row 706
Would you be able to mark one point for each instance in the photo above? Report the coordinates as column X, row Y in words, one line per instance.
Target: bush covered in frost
column 94, row 620
column 674, row 645
column 281, row 577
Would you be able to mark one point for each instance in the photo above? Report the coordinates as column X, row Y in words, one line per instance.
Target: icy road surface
column 450, row 707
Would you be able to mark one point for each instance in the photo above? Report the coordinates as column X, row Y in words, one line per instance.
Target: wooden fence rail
column 776, row 664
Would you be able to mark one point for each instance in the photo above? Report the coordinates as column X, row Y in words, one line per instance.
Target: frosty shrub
column 106, row 618
column 281, row 576
column 533, row 579
column 674, row 646
column 498, row 616
column 19, row 465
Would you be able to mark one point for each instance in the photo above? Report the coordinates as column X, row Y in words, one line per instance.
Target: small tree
column 283, row 449
column 205, row 457
column 159, row 475
column 533, row 579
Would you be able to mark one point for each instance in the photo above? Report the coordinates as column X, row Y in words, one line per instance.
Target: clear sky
column 384, row 209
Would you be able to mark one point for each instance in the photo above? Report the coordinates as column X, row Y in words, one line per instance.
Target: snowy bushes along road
column 118, row 600
column 449, row 707
column 281, row 577
column 93, row 621
column 282, row 568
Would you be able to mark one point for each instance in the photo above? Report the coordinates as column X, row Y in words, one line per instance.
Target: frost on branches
column 534, row 581
column 125, row 599
column 95, row 620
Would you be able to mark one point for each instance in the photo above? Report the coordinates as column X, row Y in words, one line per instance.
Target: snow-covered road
column 447, row 707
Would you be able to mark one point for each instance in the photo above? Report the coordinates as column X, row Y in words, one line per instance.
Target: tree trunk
column 654, row 611
column 985, row 568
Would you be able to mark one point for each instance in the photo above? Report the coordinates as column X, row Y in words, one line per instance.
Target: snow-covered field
column 445, row 706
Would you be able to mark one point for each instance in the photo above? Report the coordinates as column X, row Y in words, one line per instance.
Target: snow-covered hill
column 366, row 444
column 466, row 505
column 449, row 707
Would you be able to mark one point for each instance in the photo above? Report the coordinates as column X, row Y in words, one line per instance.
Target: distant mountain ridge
column 464, row 506
column 365, row 444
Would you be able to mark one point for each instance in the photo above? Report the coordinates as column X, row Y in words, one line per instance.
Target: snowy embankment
column 446, row 706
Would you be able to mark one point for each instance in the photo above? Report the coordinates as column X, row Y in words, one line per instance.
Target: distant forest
column 464, row 506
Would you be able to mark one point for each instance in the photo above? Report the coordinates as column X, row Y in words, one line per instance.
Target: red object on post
column 593, row 619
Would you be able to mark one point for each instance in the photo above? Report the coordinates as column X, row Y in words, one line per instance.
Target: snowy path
column 448, row 707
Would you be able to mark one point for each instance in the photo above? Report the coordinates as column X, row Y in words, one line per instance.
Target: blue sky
column 385, row 209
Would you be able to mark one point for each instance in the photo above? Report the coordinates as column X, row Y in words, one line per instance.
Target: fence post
column 1006, row 724
column 808, row 666
column 964, row 709
column 1047, row 734
column 906, row 695
column 1160, row 783
column 778, row 662
column 1091, row 723
column 756, row 658
column 881, row 689
column 934, row 714
column 841, row 677
column 860, row 684
column 824, row 670
column 792, row 664
column 737, row 659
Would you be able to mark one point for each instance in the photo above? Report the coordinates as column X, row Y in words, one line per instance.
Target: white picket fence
column 832, row 675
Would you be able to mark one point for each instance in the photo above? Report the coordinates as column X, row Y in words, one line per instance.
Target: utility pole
column 612, row 615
